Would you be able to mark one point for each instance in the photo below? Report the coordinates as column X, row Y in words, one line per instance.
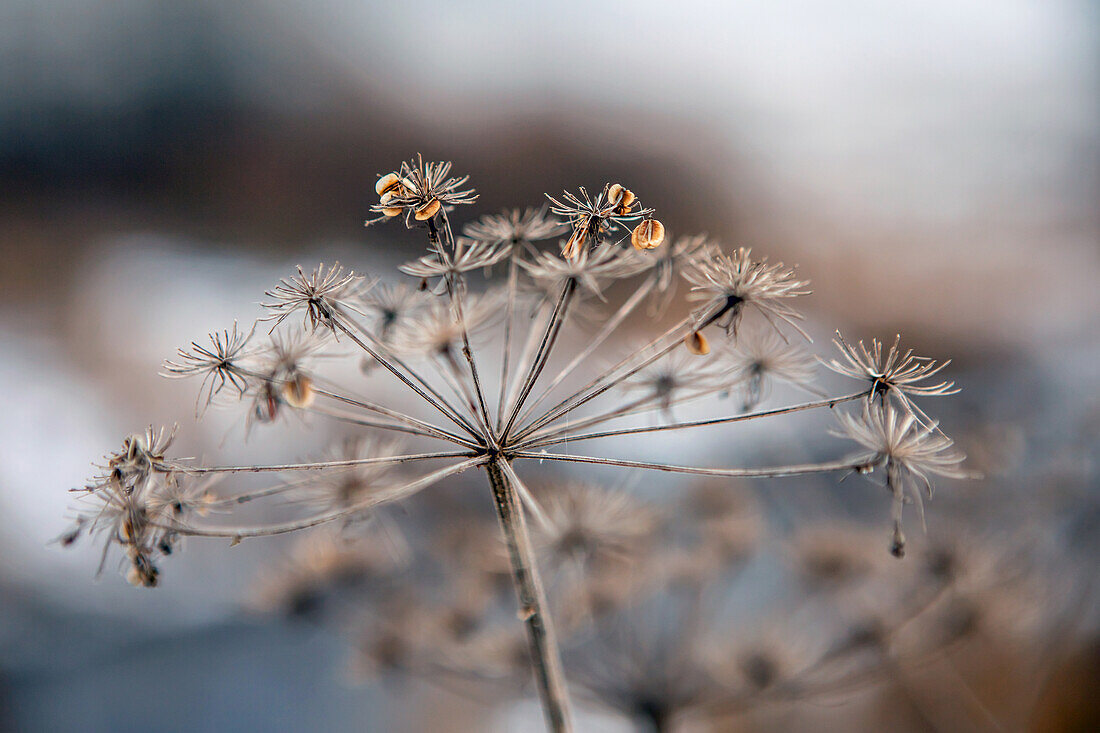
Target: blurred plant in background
column 636, row 589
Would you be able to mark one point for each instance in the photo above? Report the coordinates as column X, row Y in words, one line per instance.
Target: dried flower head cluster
column 613, row 209
column 420, row 191
column 909, row 452
column 135, row 502
column 433, row 341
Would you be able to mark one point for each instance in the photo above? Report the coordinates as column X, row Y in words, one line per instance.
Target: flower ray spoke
column 506, row 351
column 563, row 438
column 407, row 375
column 395, row 427
column 454, row 287
column 605, row 381
column 424, row 427
column 527, row 355
column 774, row 471
column 382, row 497
column 315, row 466
column 608, row 328
column 553, row 328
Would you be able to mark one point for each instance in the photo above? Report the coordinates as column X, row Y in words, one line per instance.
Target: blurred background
column 933, row 168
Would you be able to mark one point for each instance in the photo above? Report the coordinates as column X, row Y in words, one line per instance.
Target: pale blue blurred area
column 933, row 167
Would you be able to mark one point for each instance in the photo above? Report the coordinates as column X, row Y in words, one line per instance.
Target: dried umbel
column 421, row 191
column 594, row 220
column 221, row 365
column 433, row 346
column 760, row 358
column 892, row 373
column 136, row 501
column 909, row 452
column 729, row 284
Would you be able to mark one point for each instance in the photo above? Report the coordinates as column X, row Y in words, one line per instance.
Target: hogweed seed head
column 892, row 373
column 910, row 453
column 468, row 255
column 144, row 502
column 421, row 191
column 318, row 294
column 590, row 270
column 729, row 283
column 221, row 364
column 593, row 219
column 514, row 228
column 759, row 357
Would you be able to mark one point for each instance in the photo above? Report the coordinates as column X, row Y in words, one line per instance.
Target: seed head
column 910, row 453
column 514, row 228
column 729, row 283
column 892, row 373
column 592, row 220
column 759, row 357
column 219, row 364
column 589, row 269
column 320, row 294
column 421, row 191
column 468, row 255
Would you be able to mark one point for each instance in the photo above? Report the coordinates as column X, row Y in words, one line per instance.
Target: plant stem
column 607, row 329
column 540, row 442
column 545, row 656
column 553, row 327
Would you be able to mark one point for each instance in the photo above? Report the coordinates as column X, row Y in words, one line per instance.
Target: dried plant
column 144, row 500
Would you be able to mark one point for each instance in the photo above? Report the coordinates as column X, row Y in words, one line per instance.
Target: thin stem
column 363, row 422
column 545, row 655
column 554, row 440
column 527, row 355
column 456, row 381
column 418, row 427
column 453, row 287
column 575, row 400
column 261, row 493
column 431, row 396
column 553, row 328
column 316, row 466
column 637, row 407
column 513, row 285
column 639, row 404
column 608, row 328
column 794, row 470
column 427, row 428
column 381, row 497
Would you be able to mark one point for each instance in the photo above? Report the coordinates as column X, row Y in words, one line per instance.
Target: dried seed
column 572, row 248
column 298, row 392
column 648, row 234
column 387, row 184
column 428, row 210
column 697, row 343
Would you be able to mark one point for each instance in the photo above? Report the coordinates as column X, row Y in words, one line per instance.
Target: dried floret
column 727, row 284
column 892, row 373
